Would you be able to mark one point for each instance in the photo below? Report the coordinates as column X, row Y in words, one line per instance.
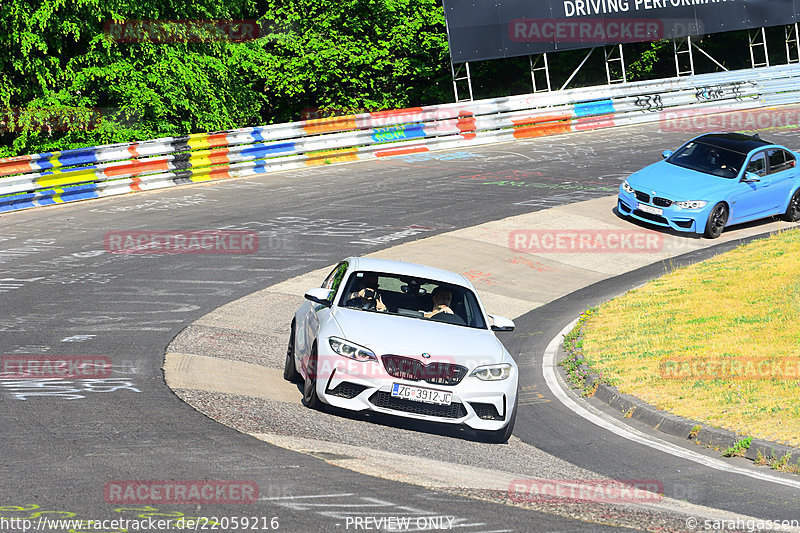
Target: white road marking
column 606, row 422
column 310, row 496
column 78, row 338
column 374, row 510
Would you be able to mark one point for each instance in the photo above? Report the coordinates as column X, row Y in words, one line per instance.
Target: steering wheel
column 449, row 318
column 362, row 303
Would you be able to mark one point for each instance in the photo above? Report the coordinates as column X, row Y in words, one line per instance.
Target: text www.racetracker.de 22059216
column 149, row 524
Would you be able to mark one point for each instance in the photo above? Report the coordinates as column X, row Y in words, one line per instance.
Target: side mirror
column 749, row 177
column 666, row 153
column 320, row 296
column 501, row 323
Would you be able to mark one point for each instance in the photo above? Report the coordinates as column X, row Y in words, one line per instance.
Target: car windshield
column 708, row 159
column 408, row 296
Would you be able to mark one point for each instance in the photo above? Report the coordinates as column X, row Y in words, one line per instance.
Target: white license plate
column 419, row 394
column 652, row 210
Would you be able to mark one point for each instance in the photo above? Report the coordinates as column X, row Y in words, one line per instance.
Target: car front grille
column 655, row 200
column 661, row 202
column 435, row 373
column 387, row 401
column 486, row 411
column 648, row 216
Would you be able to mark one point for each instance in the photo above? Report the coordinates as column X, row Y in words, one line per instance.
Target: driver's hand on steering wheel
column 439, row 309
column 371, row 299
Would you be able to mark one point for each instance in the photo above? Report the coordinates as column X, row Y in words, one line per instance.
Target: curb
column 709, row 436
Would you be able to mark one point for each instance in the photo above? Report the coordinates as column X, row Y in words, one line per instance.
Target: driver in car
column 441, row 302
column 367, row 296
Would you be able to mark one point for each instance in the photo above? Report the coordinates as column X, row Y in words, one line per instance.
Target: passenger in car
column 441, row 301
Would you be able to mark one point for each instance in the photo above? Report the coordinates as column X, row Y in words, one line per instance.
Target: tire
column 500, row 436
column 793, row 209
column 310, row 397
column 290, row 372
column 716, row 221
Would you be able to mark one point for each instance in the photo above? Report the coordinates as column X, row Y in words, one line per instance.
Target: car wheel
column 310, row 397
column 716, row 221
column 290, row 372
column 500, row 436
column 793, row 210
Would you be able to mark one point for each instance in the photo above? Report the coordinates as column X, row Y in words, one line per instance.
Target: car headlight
column 351, row 350
column 492, row 372
column 627, row 187
column 692, row 204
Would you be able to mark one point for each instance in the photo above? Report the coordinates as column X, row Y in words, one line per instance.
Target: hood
column 411, row 337
column 677, row 183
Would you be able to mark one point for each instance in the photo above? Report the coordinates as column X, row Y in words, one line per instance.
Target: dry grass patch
column 738, row 306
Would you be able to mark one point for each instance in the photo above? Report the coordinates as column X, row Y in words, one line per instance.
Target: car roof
column 389, row 266
column 737, row 142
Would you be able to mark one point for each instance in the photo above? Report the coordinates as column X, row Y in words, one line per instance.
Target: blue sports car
column 713, row 181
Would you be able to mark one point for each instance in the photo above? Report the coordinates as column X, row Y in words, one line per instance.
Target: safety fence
column 78, row 174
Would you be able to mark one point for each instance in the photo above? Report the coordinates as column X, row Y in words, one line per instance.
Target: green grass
column 743, row 305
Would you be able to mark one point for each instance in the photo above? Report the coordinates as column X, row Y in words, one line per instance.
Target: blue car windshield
column 708, row 159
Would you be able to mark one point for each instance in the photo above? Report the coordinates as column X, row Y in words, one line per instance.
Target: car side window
column 757, row 165
column 335, row 278
column 777, row 160
column 780, row 160
column 790, row 161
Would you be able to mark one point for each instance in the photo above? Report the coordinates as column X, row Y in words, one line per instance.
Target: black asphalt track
column 63, row 294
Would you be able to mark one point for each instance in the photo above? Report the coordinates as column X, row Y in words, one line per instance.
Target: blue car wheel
column 716, row 221
column 793, row 210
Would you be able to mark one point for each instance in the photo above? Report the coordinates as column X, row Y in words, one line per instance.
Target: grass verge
column 716, row 342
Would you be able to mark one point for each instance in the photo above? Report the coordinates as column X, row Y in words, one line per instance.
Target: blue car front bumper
column 684, row 220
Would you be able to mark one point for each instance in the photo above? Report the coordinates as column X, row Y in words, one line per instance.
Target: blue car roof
column 736, row 142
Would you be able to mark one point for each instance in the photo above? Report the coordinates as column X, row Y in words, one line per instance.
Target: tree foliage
column 65, row 82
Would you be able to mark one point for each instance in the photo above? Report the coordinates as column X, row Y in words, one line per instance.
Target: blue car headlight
column 492, row 372
column 627, row 187
column 351, row 350
column 692, row 204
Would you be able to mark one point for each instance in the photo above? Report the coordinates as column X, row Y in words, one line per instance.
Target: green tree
column 359, row 54
column 59, row 67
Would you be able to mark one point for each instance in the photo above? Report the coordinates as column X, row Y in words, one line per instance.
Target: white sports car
column 405, row 340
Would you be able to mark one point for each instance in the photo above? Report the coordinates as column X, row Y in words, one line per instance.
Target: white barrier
column 42, row 179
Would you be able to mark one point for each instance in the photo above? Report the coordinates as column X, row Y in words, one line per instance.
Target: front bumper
column 683, row 220
column 365, row 386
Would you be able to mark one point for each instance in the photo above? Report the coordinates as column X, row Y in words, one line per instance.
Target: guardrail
column 83, row 173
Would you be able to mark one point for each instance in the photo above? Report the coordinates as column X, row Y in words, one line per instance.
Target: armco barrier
column 70, row 175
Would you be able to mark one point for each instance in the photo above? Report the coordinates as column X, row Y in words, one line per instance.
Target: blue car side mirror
column 749, row 177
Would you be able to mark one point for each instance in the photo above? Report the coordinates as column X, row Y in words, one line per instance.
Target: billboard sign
column 479, row 30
